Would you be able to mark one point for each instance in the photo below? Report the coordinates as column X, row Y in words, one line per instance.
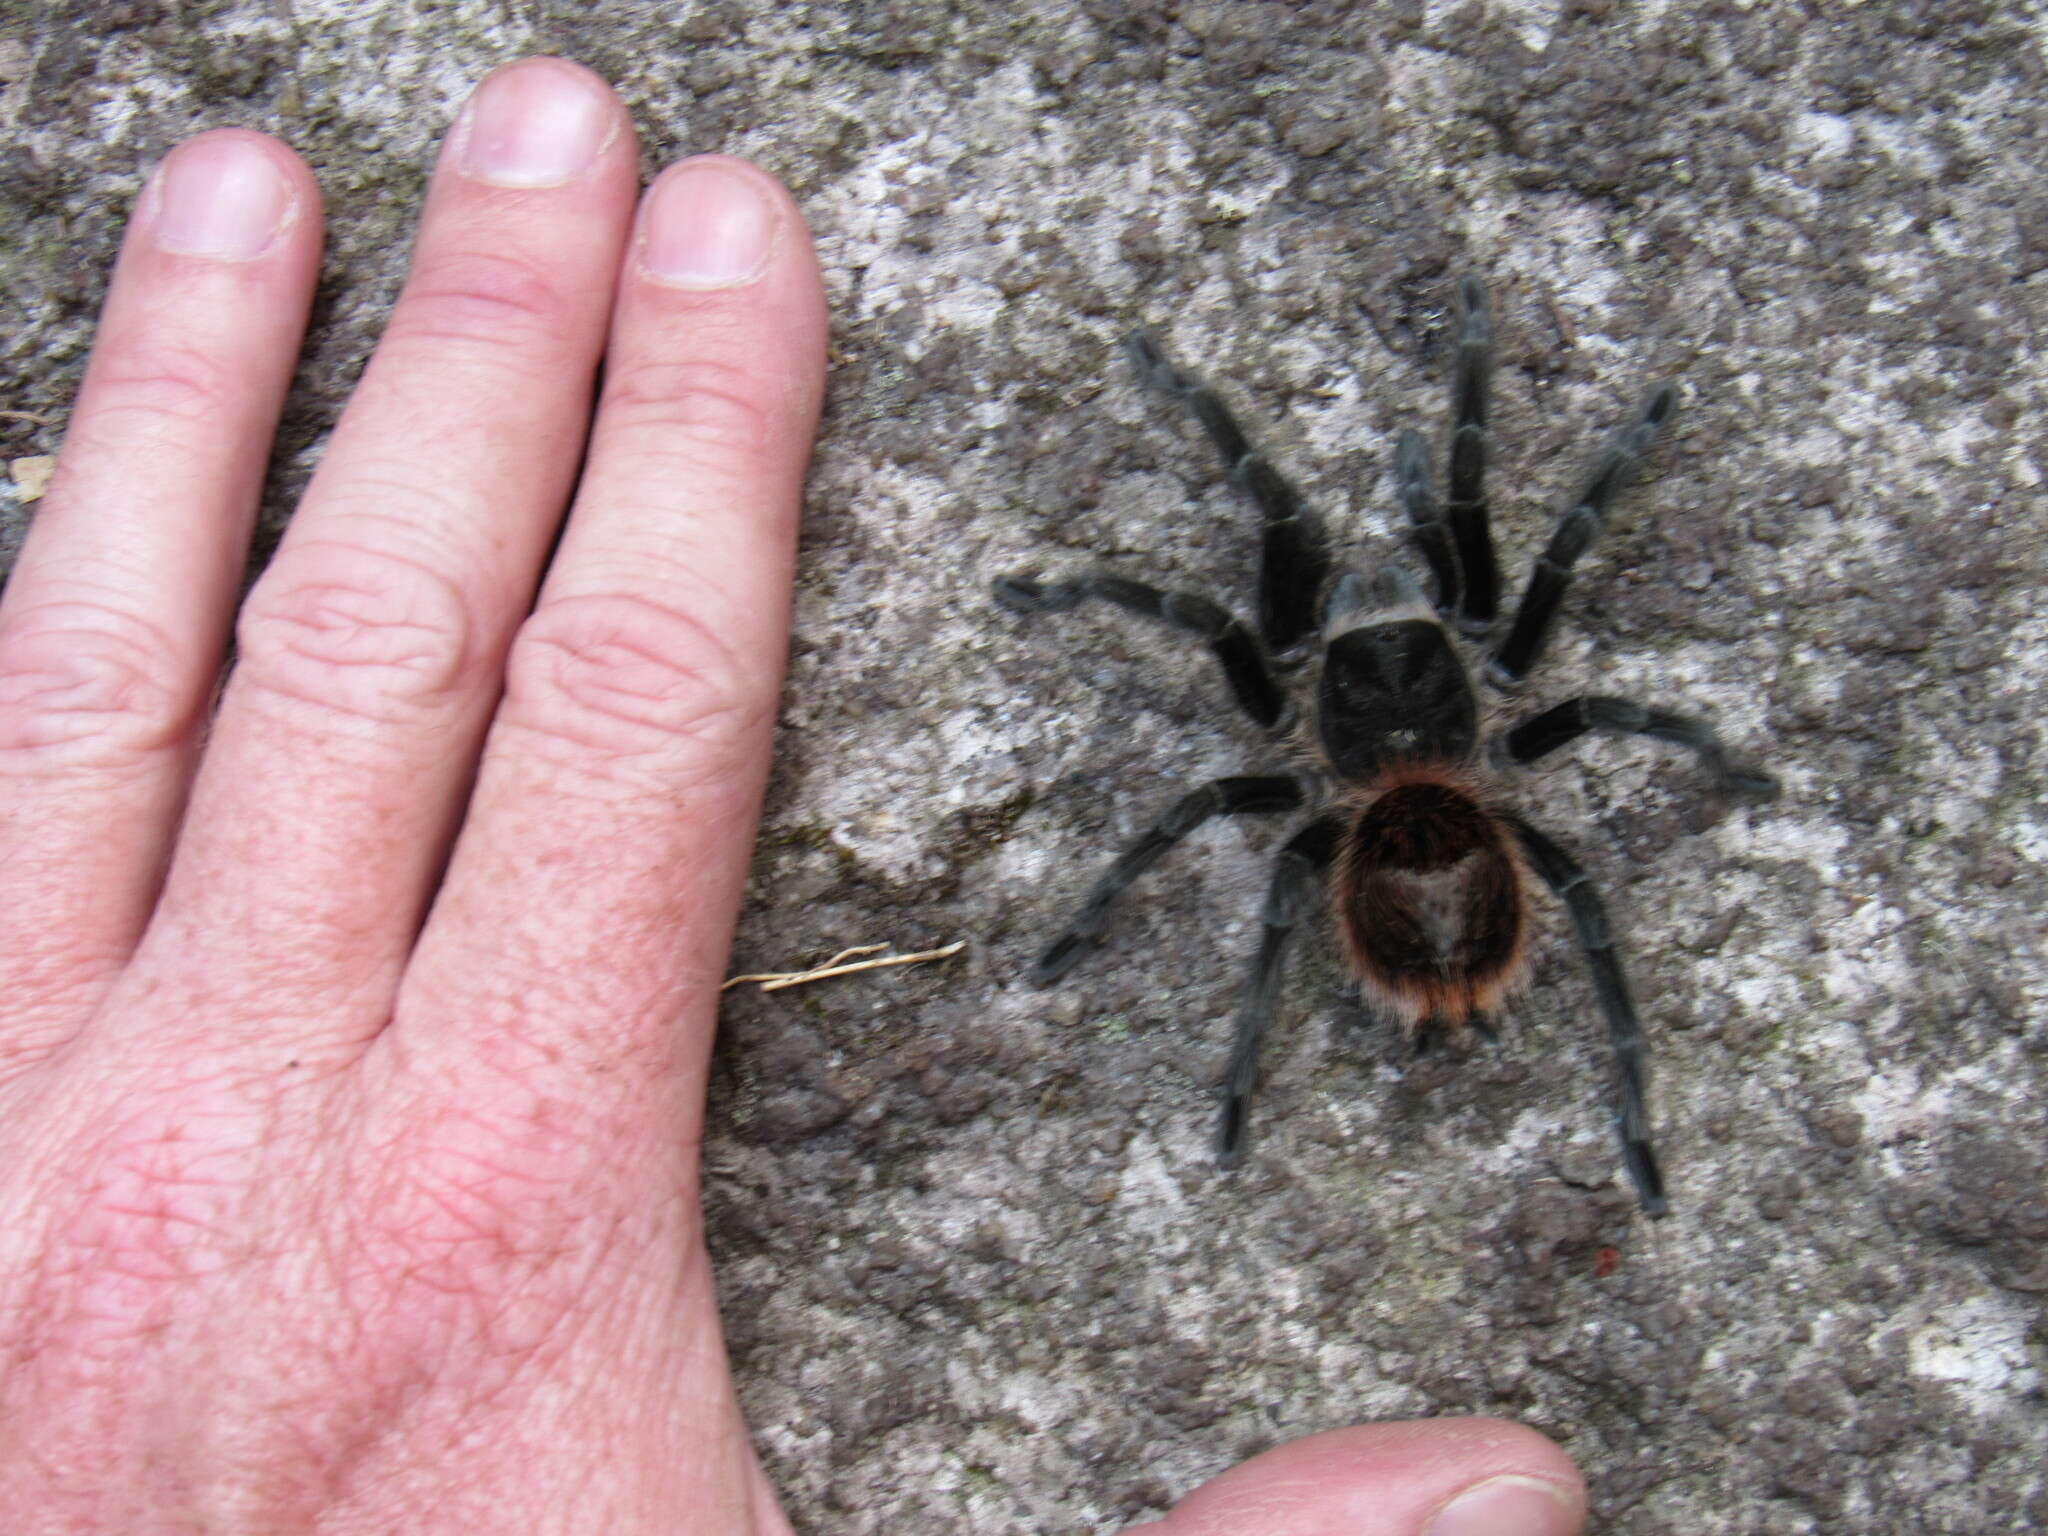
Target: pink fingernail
column 536, row 124
column 221, row 196
column 708, row 226
column 1506, row 1506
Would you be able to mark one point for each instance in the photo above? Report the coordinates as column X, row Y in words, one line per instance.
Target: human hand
column 353, row 1034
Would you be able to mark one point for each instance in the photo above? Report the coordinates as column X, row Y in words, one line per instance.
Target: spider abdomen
column 1428, row 898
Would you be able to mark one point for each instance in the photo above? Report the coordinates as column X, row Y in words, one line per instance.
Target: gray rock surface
column 979, row 1270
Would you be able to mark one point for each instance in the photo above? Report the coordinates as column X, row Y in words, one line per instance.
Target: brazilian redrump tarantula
column 1427, row 872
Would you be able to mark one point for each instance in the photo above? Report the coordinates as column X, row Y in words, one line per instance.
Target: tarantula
column 1428, row 873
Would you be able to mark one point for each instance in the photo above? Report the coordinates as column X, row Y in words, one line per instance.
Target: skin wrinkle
column 337, row 608
column 721, row 724
column 561, row 1082
column 81, row 676
column 705, row 408
column 490, row 309
column 582, row 656
column 681, row 558
column 644, row 788
column 433, row 511
column 438, row 531
column 157, row 390
column 109, row 579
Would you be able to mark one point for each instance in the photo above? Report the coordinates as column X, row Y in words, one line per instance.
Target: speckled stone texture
column 979, row 1270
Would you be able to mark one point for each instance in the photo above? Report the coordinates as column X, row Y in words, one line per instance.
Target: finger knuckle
column 480, row 300
column 704, row 403
column 629, row 680
column 357, row 629
column 158, row 389
column 88, row 678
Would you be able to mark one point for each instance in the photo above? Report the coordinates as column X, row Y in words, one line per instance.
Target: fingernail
column 536, row 124
column 221, row 197
column 1507, row 1506
column 708, row 226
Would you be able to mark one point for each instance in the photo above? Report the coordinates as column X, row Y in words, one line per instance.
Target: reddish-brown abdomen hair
column 1429, row 900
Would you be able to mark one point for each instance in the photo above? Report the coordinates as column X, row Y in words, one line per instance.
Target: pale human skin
column 353, row 1026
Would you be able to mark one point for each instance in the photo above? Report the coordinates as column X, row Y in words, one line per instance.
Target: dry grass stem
column 838, row 965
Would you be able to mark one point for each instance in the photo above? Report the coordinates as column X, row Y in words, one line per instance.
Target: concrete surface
column 979, row 1270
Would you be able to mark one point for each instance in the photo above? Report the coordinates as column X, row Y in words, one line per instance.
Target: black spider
column 1430, row 873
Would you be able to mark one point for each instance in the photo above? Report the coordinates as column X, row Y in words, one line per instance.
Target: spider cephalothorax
column 1427, row 874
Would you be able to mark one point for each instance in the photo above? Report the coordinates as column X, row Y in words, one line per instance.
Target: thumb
column 1422, row 1477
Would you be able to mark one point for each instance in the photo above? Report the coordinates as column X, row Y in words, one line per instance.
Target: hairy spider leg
column 1292, row 896
column 1466, row 506
column 1221, row 797
column 1615, row 465
column 1562, row 874
column 1566, row 722
column 1294, row 561
column 1251, row 680
column 1426, row 515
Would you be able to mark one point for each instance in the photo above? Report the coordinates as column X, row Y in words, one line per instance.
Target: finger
column 590, row 903
column 1425, row 1477
column 113, row 623
column 369, row 653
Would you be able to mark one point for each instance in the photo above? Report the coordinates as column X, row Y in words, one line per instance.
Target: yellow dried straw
column 838, row 965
